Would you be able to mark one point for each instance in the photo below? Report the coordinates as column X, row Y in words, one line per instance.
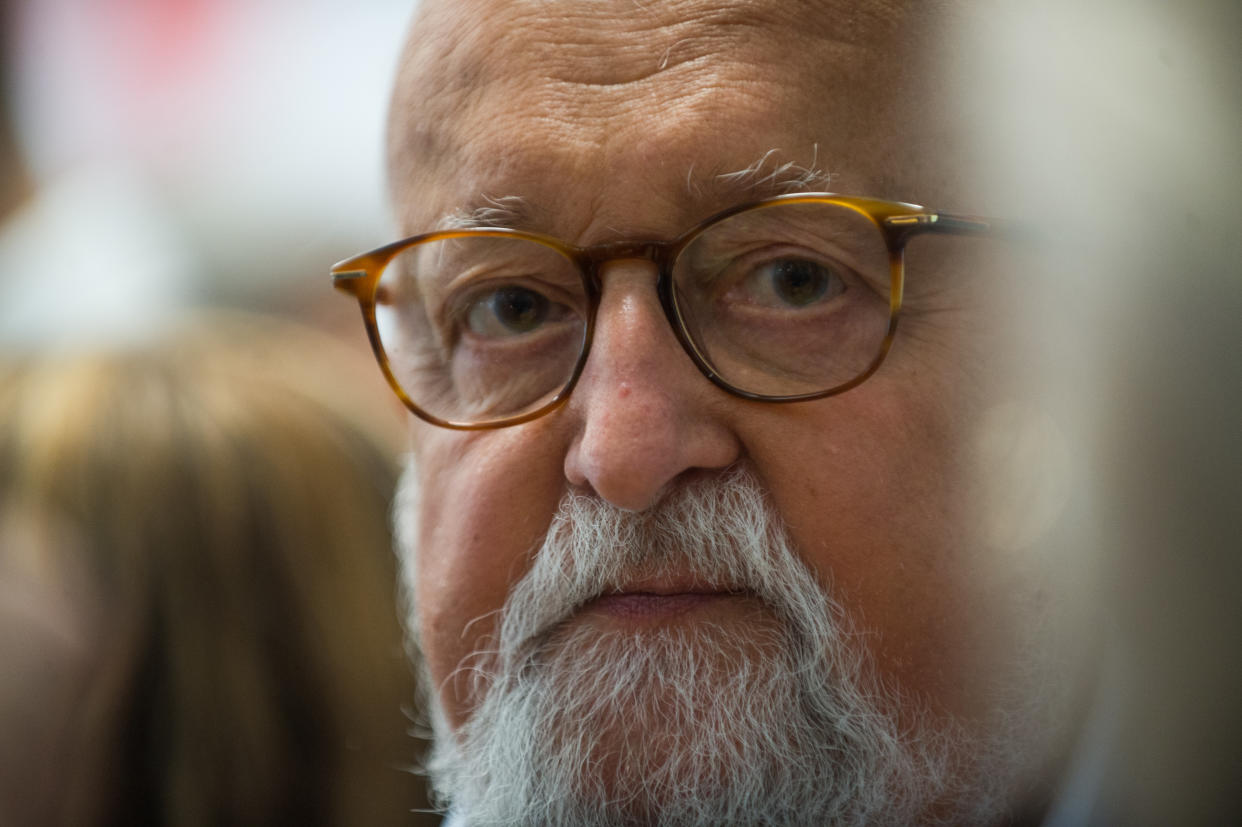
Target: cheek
column 487, row 499
column 877, row 506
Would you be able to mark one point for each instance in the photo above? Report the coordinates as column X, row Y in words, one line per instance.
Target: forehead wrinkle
column 590, row 55
column 606, row 46
column 625, row 41
column 619, row 42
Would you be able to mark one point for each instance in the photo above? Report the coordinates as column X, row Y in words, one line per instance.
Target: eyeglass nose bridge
column 662, row 254
column 593, row 258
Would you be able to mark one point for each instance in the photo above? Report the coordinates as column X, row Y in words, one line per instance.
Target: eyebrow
column 765, row 177
column 505, row 211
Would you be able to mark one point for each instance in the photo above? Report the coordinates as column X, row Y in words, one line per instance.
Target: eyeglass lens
column 782, row 300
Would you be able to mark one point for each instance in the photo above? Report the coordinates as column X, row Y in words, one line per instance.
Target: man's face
column 620, row 120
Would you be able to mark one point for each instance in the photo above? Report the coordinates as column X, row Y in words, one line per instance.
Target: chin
column 699, row 724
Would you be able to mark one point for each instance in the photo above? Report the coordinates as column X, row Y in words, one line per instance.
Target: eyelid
column 749, row 262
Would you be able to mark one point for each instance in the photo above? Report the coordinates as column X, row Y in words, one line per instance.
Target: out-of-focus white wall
column 229, row 151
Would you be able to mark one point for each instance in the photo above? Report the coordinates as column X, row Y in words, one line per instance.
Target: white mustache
column 720, row 534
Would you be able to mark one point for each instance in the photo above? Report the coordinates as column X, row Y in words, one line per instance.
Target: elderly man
column 694, row 530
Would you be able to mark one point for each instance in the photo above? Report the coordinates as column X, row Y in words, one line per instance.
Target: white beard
column 779, row 723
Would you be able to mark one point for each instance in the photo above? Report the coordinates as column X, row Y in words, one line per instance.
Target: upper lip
column 663, row 586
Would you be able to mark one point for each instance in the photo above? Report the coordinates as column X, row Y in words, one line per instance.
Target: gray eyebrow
column 505, row 211
column 766, row 176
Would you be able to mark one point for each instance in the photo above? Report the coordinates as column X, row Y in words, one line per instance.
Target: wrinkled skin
column 611, row 120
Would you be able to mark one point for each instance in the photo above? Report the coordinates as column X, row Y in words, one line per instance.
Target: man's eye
column 791, row 282
column 509, row 311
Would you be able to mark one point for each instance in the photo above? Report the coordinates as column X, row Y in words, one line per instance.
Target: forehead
column 587, row 109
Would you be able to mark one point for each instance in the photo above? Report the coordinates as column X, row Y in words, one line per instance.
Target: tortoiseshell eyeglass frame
column 897, row 221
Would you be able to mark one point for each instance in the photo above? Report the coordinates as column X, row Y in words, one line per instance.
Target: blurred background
column 1116, row 126
column 189, row 152
column 198, row 610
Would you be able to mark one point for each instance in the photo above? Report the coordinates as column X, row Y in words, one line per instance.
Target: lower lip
column 643, row 605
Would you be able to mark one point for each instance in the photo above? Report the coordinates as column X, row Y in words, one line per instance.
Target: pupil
column 799, row 282
column 519, row 309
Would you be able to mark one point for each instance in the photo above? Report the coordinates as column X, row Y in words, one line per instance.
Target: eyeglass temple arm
column 950, row 224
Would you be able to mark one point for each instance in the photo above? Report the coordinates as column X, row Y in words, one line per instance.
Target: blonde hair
column 230, row 508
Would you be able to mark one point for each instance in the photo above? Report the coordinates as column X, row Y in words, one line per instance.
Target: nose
column 645, row 415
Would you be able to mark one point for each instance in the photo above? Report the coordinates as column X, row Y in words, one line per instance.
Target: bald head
column 494, row 95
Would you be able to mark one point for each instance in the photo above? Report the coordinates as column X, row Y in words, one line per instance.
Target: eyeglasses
column 786, row 299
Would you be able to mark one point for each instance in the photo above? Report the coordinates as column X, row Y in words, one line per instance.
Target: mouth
column 661, row 602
